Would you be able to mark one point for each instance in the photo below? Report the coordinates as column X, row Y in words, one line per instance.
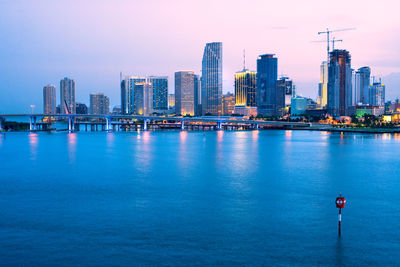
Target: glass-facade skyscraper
column 211, row 80
column 339, row 83
column 361, row 84
column 127, row 93
column 284, row 93
column 245, row 90
column 160, row 92
column 267, row 75
column 323, row 86
column 377, row 94
column 143, row 98
column 49, row 99
column 159, row 85
column 67, row 96
column 197, row 96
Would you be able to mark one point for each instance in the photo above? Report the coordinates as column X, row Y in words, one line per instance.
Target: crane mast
column 328, row 32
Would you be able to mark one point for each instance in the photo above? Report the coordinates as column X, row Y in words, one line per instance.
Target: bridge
column 111, row 122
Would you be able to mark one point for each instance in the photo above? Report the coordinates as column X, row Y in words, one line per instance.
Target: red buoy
column 340, row 203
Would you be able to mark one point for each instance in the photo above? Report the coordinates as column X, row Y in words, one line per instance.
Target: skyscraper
column 197, row 96
column 127, row 93
column 211, row 80
column 323, row 86
column 160, row 92
column 143, row 98
column 267, row 74
column 67, row 96
column 377, row 94
column 49, row 99
column 125, row 98
column 339, row 83
column 245, row 91
column 362, row 78
column 171, row 101
column 99, row 104
column 284, row 93
column 185, row 87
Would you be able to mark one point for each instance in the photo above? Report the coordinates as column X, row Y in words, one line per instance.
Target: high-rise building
column 267, row 75
column 323, row 86
column 185, row 87
column 125, row 98
column 171, row 101
column 377, row 94
column 211, row 80
column 339, row 83
column 143, row 98
column 284, row 93
column 362, row 78
column 127, row 93
column 245, row 91
column 49, row 99
column 160, row 92
column 67, row 96
column 81, row 108
column 99, row 104
column 228, row 104
column 197, row 96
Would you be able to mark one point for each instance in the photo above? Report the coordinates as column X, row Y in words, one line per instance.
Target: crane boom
column 328, row 32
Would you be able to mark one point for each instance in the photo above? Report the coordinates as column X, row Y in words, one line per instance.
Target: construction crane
column 333, row 42
column 328, row 32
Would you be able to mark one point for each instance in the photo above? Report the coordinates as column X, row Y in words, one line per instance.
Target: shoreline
column 312, row 128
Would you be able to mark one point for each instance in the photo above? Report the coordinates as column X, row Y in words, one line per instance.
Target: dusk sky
column 93, row 41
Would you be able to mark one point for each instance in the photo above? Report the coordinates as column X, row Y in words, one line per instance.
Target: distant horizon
column 105, row 39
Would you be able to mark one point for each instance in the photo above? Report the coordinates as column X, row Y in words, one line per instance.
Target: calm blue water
column 194, row 198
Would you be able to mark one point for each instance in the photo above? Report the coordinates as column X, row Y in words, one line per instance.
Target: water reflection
column 239, row 153
column 288, row 138
column 255, row 135
column 146, row 137
column 142, row 151
column 220, row 136
column 219, row 155
column 339, row 252
column 183, row 154
column 33, row 144
column 182, row 137
column 72, row 138
column 110, row 136
column 288, row 134
column 325, row 138
column 2, row 136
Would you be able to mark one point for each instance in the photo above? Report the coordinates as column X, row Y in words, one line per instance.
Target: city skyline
column 45, row 54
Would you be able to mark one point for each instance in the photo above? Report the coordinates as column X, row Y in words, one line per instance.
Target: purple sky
column 92, row 41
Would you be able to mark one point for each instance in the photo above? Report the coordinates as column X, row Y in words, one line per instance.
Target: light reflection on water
column 2, row 136
column 33, row 144
column 72, row 139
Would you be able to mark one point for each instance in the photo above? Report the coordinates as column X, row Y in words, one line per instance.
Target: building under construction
column 339, row 83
